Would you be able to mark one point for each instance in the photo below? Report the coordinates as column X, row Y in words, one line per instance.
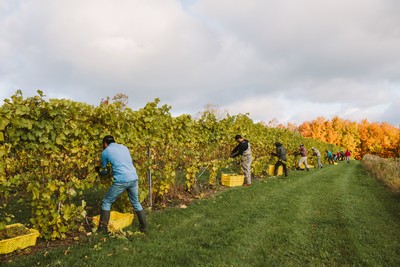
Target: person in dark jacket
column 243, row 149
column 281, row 154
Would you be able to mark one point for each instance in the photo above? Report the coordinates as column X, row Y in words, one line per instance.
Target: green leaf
column 3, row 123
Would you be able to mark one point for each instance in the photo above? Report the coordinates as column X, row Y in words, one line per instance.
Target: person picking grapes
column 243, row 149
column 125, row 179
column 303, row 157
column 281, row 154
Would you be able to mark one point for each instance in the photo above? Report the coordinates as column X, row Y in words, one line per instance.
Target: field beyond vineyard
column 335, row 216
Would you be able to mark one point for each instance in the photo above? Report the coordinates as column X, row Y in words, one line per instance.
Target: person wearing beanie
column 303, row 157
column 281, row 154
column 125, row 179
column 243, row 149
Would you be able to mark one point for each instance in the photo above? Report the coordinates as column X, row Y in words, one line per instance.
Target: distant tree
column 120, row 99
column 218, row 113
column 305, row 129
column 333, row 132
column 292, row 127
column 382, row 139
column 350, row 138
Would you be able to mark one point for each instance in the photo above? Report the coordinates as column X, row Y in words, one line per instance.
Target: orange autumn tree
column 382, row 139
column 396, row 149
column 315, row 129
column 336, row 131
column 333, row 130
column 379, row 139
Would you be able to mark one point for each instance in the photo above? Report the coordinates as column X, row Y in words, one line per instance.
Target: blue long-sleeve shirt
column 121, row 161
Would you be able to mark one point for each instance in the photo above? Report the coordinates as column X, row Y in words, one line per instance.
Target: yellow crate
column 232, row 179
column 19, row 242
column 271, row 169
column 302, row 166
column 117, row 220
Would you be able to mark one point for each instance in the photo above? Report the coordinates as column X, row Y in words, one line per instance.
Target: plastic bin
column 232, row 179
column 19, row 242
column 271, row 169
column 302, row 166
column 117, row 220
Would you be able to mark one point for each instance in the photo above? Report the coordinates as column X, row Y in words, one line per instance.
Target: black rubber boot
column 142, row 220
column 104, row 218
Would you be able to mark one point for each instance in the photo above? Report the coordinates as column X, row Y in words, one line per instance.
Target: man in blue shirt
column 125, row 179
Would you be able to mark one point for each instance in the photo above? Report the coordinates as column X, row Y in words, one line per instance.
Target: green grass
column 335, row 216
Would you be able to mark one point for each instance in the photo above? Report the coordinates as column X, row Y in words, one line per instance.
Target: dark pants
column 279, row 163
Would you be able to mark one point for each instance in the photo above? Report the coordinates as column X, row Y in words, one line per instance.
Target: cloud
column 289, row 60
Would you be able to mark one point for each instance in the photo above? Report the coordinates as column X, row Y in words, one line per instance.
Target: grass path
column 335, row 216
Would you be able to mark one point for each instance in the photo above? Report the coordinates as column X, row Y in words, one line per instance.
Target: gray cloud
column 289, row 60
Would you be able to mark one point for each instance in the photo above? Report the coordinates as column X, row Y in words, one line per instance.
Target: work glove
column 101, row 171
column 97, row 169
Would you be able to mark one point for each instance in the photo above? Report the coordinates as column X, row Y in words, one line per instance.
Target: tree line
column 376, row 138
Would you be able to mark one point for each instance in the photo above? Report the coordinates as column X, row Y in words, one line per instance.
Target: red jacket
column 303, row 151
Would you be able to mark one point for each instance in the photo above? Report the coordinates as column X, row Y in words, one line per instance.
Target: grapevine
column 49, row 150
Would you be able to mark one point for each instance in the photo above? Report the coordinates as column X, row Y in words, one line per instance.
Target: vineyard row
column 49, row 150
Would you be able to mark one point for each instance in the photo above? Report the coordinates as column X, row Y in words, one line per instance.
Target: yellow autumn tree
column 382, row 139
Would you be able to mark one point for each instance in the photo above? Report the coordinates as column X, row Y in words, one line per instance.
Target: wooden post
column 149, row 177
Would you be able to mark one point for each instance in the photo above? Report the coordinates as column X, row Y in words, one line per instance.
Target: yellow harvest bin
column 232, row 179
column 117, row 220
column 271, row 169
column 302, row 166
column 19, row 242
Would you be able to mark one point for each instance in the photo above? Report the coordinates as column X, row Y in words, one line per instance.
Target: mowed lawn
column 335, row 216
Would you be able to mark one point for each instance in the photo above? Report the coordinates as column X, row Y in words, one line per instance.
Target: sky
column 285, row 60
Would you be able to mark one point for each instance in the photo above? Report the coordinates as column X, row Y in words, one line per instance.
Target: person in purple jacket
column 125, row 179
column 303, row 157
